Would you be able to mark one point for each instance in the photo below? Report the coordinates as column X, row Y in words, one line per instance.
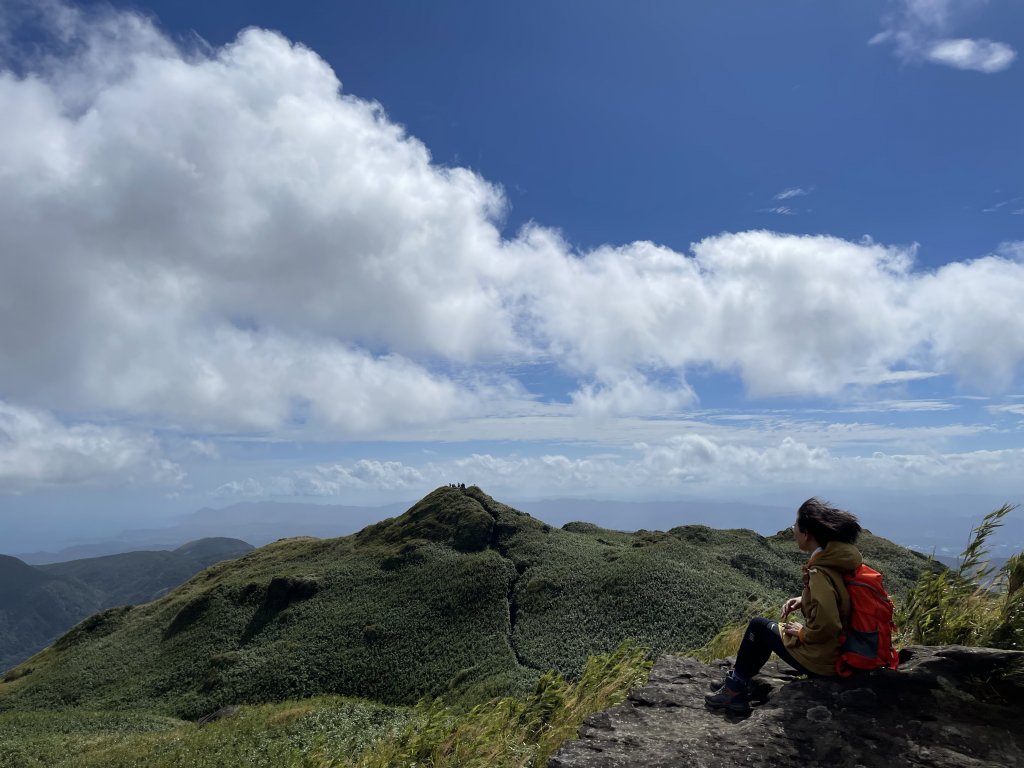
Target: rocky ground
column 946, row 707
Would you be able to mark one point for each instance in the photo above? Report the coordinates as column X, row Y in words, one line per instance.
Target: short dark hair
column 827, row 523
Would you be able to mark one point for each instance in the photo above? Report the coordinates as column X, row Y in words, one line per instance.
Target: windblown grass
column 968, row 606
column 727, row 640
column 509, row 732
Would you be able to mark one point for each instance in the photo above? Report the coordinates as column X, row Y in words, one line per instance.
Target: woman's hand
column 792, row 628
column 791, row 605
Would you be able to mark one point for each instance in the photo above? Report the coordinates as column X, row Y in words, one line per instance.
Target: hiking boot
column 730, row 675
column 733, row 696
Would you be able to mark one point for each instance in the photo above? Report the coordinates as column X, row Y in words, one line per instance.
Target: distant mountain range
column 39, row 603
column 256, row 522
column 461, row 596
column 930, row 525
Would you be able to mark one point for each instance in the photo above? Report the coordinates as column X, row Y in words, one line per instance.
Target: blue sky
column 347, row 252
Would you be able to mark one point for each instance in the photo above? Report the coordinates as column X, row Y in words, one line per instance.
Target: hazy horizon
column 935, row 525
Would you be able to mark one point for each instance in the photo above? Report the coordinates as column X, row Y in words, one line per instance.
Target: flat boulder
column 946, row 707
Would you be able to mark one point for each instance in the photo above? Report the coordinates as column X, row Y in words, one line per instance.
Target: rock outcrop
column 945, row 707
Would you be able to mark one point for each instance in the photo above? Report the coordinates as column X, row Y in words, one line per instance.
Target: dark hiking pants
column 761, row 639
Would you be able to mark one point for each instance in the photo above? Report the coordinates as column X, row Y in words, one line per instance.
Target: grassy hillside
column 40, row 603
column 330, row 732
column 36, row 607
column 213, row 549
column 137, row 577
column 128, row 578
column 461, row 597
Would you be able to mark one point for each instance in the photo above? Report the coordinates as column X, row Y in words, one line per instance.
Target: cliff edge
column 946, row 707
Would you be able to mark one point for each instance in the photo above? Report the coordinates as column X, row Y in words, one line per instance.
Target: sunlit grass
column 510, row 732
column 288, row 734
column 725, row 642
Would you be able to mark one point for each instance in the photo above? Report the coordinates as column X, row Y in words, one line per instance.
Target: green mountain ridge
column 461, row 597
column 35, row 607
column 39, row 603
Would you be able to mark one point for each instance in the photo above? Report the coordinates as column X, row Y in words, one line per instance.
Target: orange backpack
column 866, row 640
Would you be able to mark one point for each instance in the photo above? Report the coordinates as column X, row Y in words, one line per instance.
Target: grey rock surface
column 945, row 707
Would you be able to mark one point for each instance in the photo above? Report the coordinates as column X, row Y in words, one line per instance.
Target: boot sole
column 740, row 708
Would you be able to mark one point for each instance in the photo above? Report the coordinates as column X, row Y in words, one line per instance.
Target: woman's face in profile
column 799, row 536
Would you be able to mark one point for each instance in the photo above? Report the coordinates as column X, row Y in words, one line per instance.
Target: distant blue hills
column 929, row 524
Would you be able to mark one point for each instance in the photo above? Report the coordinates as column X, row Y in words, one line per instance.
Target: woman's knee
column 761, row 626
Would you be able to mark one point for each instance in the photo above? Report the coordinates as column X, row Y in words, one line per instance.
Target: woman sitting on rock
column 812, row 647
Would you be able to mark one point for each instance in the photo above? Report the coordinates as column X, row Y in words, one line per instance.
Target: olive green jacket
column 825, row 606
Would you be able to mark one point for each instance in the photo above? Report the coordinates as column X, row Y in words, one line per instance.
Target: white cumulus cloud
column 684, row 463
column 978, row 55
column 215, row 237
column 966, row 303
column 330, row 480
column 919, row 31
column 1013, row 249
column 38, row 451
column 221, row 239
